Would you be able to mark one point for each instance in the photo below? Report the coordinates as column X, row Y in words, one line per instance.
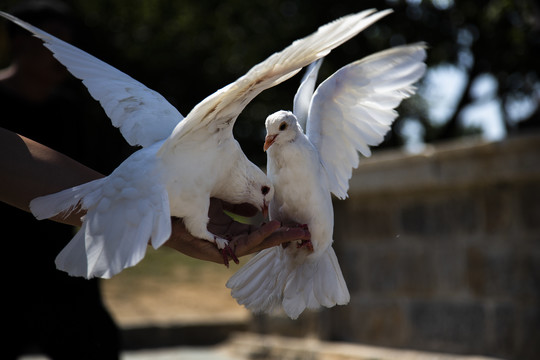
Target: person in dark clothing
column 43, row 108
column 47, row 310
column 49, row 128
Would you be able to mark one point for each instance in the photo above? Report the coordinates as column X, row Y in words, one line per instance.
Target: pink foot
column 304, row 227
column 226, row 252
column 303, row 243
column 307, row 244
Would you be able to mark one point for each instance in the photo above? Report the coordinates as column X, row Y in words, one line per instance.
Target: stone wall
column 441, row 252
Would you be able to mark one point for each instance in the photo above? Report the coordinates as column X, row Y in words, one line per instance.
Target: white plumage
column 350, row 111
column 183, row 162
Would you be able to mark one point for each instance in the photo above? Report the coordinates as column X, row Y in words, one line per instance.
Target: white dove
column 350, row 111
column 183, row 162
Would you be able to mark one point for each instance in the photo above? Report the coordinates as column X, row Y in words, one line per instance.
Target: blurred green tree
column 188, row 49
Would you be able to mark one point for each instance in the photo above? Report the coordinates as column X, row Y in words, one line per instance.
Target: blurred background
column 439, row 241
column 483, row 64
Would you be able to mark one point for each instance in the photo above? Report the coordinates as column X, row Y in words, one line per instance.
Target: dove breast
column 301, row 193
column 201, row 166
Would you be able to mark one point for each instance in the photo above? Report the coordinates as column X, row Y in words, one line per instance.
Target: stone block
column 491, row 273
column 454, row 326
column 528, row 280
column 383, row 271
column 440, row 217
column 365, row 220
column 529, row 203
column 414, row 219
column 498, row 209
column 503, row 335
column 354, row 268
column 448, row 269
column 527, row 343
column 400, row 270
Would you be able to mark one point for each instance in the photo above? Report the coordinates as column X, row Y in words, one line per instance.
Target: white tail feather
column 116, row 228
column 63, row 202
column 92, row 254
column 272, row 279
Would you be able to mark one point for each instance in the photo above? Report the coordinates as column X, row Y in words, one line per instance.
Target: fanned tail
column 315, row 283
column 64, row 202
column 259, row 284
column 95, row 253
column 116, row 229
column 272, row 279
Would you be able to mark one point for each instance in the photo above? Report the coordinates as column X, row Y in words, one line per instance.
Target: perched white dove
column 350, row 111
column 183, row 162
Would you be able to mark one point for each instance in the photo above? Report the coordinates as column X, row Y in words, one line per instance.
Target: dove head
column 247, row 184
column 281, row 127
column 261, row 191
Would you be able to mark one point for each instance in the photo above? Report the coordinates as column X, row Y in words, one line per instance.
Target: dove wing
column 302, row 98
column 217, row 113
column 354, row 108
column 129, row 104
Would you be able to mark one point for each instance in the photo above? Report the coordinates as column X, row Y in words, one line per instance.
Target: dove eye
column 265, row 190
column 282, row 126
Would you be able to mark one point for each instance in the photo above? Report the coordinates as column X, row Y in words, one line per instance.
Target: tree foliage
column 188, row 49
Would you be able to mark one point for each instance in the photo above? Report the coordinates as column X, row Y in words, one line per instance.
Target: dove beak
column 265, row 210
column 268, row 141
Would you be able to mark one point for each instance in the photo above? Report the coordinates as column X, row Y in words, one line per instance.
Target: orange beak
column 268, row 141
column 265, row 211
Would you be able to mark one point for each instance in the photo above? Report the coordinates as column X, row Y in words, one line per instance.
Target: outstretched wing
column 217, row 113
column 302, row 98
column 354, row 108
column 142, row 115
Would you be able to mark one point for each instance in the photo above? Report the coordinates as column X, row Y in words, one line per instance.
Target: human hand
column 244, row 238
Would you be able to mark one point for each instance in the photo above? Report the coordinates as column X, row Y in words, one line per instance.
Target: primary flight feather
column 183, row 162
column 350, row 111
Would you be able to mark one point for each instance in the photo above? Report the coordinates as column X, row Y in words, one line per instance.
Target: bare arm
column 245, row 239
column 30, row 169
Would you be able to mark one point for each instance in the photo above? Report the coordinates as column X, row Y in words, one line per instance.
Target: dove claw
column 227, row 252
column 307, row 244
column 231, row 253
column 220, row 242
column 225, row 257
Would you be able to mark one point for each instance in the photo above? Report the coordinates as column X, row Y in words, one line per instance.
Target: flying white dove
column 183, row 162
column 350, row 111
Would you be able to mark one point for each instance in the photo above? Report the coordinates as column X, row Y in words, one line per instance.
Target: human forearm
column 29, row 169
column 268, row 235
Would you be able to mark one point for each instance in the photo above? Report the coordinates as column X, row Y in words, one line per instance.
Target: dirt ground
column 168, row 287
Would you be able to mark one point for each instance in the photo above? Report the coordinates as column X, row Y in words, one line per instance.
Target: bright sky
column 442, row 89
column 444, row 85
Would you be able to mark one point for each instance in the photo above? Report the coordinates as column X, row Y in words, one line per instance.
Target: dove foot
column 306, row 244
column 221, row 243
column 227, row 252
column 301, row 243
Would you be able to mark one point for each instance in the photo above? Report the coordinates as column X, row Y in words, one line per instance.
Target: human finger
column 267, row 236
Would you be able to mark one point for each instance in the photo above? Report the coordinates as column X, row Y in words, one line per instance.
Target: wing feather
column 302, row 98
column 218, row 112
column 354, row 108
column 142, row 115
